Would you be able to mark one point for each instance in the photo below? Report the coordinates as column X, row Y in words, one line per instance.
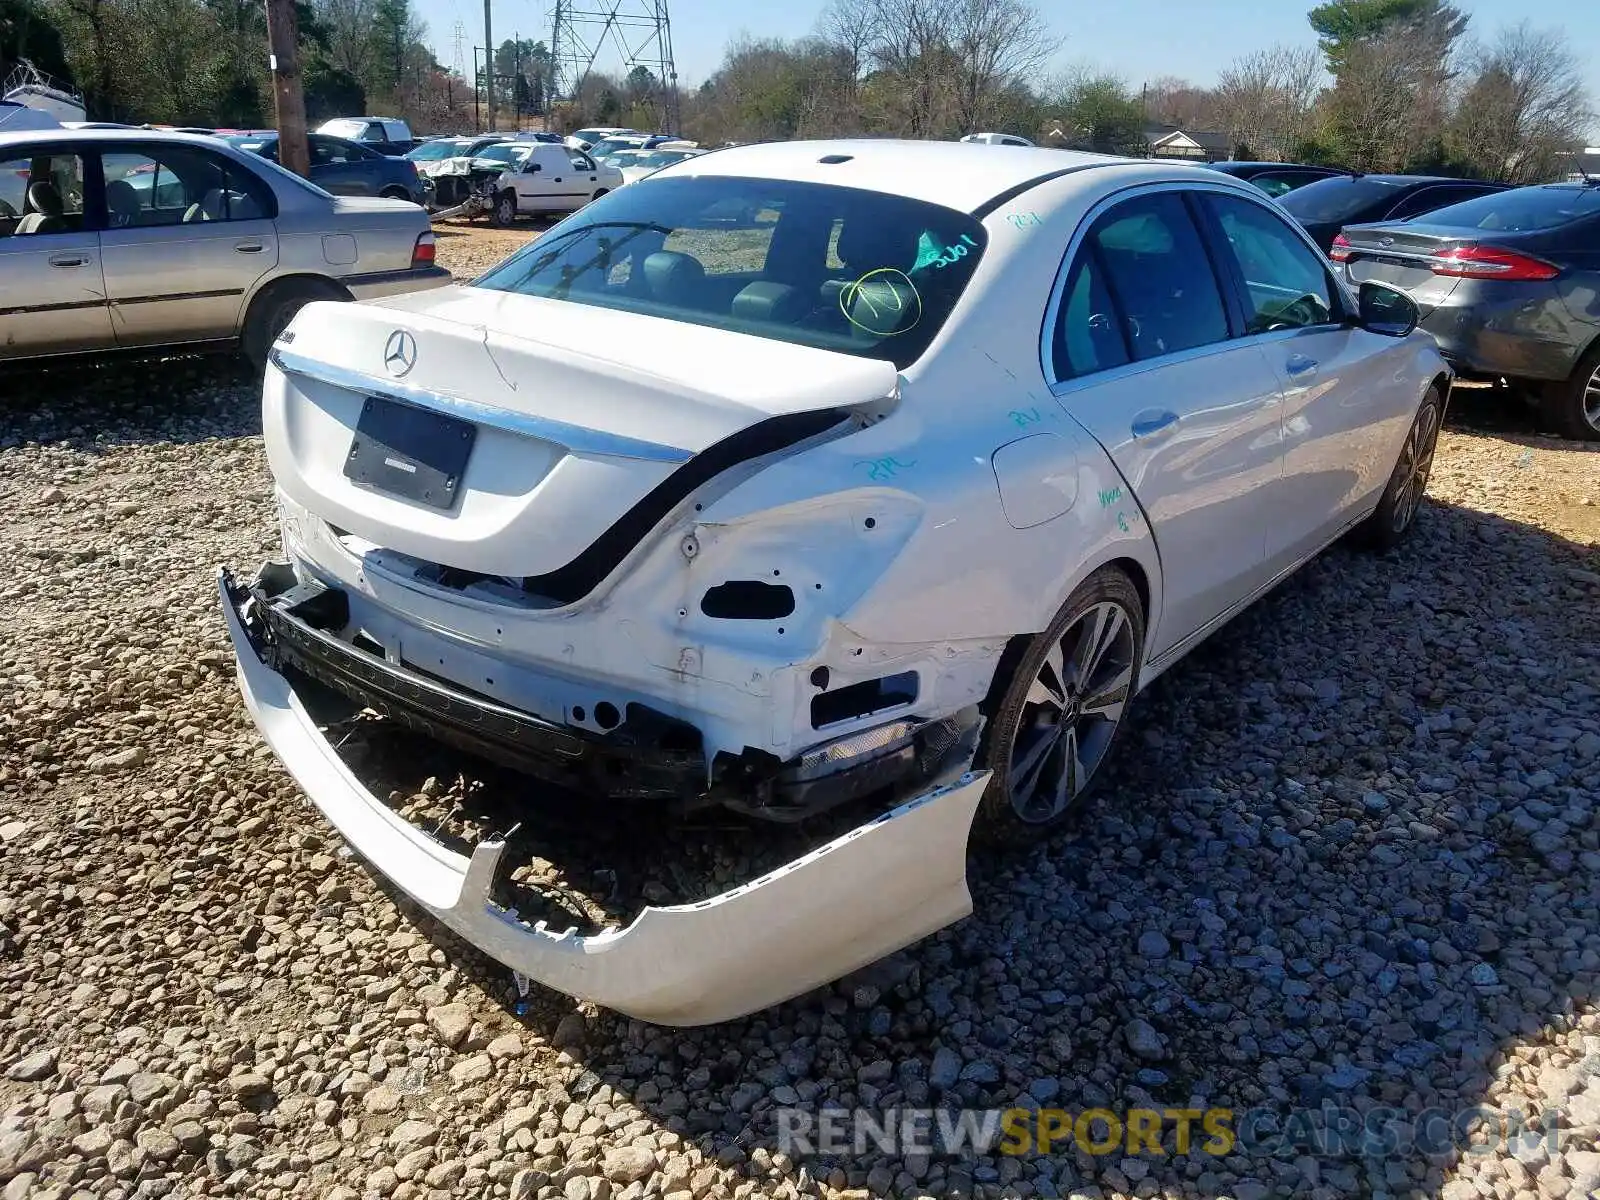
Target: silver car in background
column 121, row 239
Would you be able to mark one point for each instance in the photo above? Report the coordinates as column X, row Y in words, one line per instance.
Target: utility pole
column 289, row 100
column 488, row 65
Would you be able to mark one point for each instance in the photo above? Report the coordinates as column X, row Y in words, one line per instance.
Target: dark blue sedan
column 345, row 168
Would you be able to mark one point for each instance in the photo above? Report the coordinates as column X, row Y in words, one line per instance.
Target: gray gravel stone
column 31, row 1068
column 1360, row 822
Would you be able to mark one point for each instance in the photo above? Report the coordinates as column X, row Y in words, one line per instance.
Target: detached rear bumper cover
column 861, row 896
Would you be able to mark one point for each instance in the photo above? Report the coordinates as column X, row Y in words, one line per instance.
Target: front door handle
column 69, row 260
column 1299, row 364
column 249, row 247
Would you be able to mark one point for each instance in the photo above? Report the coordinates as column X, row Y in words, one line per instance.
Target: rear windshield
column 348, row 127
column 1520, row 210
column 1337, row 199
column 838, row 268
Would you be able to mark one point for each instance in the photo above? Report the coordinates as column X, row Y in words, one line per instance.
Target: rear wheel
column 505, row 209
column 1573, row 407
column 1397, row 511
column 1062, row 710
column 272, row 310
column 395, row 193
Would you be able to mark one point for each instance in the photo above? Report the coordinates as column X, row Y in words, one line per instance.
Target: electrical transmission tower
column 639, row 31
column 460, row 63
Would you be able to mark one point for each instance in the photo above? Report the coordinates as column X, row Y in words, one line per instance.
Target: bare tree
column 1265, row 99
column 350, row 43
column 1173, row 101
column 1525, row 107
column 996, row 43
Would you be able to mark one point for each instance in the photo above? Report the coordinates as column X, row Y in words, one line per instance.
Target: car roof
column 59, row 136
column 1403, row 179
column 1252, row 165
column 960, row 175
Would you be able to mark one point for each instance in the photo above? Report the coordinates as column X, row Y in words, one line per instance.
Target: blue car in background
column 345, row 168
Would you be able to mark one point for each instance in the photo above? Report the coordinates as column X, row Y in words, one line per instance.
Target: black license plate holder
column 410, row 452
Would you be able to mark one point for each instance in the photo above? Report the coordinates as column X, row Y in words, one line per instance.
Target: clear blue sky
column 1138, row 39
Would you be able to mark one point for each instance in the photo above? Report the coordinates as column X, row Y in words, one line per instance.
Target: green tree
column 1344, row 24
column 27, row 32
column 1096, row 112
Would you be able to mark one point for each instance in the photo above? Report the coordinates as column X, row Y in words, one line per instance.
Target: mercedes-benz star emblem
column 400, row 353
column 1387, row 241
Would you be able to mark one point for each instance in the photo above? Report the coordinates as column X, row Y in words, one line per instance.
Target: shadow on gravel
column 117, row 400
column 1347, row 859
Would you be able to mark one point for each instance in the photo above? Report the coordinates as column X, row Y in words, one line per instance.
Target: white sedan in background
column 637, row 164
column 863, row 472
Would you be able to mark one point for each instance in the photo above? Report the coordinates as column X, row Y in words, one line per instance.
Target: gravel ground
column 469, row 248
column 1353, row 859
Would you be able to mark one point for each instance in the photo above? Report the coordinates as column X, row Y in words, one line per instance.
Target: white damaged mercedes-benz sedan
column 868, row 473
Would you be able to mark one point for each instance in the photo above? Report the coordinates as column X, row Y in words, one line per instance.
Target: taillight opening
column 422, row 254
column 1340, row 251
column 1490, row 262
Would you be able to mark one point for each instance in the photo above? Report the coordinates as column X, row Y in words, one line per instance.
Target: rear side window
column 1273, row 185
column 1338, row 199
column 1521, row 210
column 1157, row 271
column 1088, row 333
column 179, row 185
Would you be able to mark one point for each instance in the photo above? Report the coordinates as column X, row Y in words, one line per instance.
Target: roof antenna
column 1577, row 158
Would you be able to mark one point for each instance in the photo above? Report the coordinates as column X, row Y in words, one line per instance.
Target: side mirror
column 534, row 168
column 1385, row 310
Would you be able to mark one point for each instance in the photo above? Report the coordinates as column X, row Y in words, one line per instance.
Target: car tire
column 505, row 210
column 395, row 193
column 1572, row 407
column 598, row 194
column 1053, row 726
column 273, row 309
column 1397, row 511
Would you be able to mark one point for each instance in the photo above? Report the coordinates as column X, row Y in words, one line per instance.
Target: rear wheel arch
column 1564, row 403
column 1005, row 666
column 256, row 334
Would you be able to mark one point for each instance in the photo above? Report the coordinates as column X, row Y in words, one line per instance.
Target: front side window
column 753, row 255
column 1286, row 285
column 179, row 185
column 40, row 194
column 1157, row 271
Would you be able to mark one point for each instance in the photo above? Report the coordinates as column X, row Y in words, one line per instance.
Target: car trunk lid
column 508, row 435
column 1402, row 256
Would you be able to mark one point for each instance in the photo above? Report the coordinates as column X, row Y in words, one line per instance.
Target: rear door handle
column 1299, row 364
column 1153, row 421
column 249, row 247
column 69, row 260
